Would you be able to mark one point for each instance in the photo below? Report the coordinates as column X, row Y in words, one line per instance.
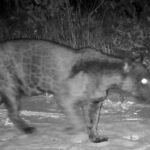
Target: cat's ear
column 127, row 65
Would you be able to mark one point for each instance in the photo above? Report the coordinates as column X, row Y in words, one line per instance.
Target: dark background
column 102, row 24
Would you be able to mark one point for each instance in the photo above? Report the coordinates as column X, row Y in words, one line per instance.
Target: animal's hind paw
column 98, row 139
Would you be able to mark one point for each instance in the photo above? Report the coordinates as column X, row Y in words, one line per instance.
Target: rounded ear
column 126, row 67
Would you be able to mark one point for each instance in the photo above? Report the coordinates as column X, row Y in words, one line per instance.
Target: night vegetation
column 106, row 24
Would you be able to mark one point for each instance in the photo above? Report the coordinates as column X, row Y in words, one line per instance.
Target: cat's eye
column 144, row 81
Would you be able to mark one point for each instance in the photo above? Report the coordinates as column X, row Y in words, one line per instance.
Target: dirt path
column 126, row 124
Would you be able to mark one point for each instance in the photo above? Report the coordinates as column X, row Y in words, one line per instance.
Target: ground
column 127, row 124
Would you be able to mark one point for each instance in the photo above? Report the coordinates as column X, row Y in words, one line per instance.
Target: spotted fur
column 77, row 78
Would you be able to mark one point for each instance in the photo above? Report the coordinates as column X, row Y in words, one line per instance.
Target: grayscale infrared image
column 75, row 75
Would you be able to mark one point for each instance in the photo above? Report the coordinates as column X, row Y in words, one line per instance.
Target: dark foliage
column 102, row 24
